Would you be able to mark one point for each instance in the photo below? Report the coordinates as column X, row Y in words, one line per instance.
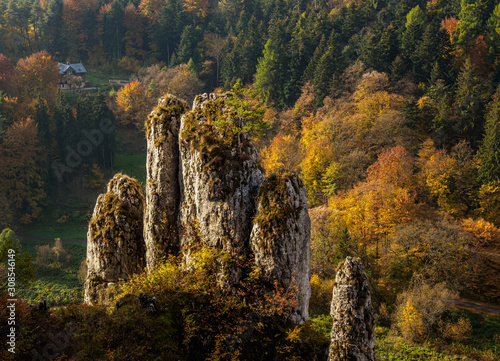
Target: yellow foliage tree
column 314, row 164
column 411, row 325
column 372, row 100
column 489, row 201
column 436, row 177
column 484, row 233
column 197, row 8
column 132, row 104
column 282, row 154
column 372, row 210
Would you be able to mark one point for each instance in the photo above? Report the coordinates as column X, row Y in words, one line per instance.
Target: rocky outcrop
column 162, row 186
column 205, row 190
column 280, row 239
column 115, row 246
column 353, row 335
column 220, row 177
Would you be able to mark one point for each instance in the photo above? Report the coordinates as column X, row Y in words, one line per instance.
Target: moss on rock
column 115, row 247
column 169, row 107
column 216, row 131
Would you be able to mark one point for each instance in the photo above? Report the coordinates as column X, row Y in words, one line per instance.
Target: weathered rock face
column 280, row 238
column 115, row 246
column 353, row 335
column 162, row 187
column 220, row 175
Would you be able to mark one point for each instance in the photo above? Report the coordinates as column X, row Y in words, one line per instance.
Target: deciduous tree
column 37, row 76
column 132, row 104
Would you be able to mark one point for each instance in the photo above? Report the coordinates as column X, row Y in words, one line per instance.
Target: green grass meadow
column 59, row 286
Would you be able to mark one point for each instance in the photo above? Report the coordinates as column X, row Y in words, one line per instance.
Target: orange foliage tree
column 132, row 104
column 394, row 166
column 37, row 75
column 21, row 179
column 372, row 210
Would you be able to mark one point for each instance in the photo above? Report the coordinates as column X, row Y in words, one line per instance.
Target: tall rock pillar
column 280, row 239
column 220, row 175
column 162, row 186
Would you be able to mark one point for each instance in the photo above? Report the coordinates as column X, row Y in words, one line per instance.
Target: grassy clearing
column 68, row 230
column 59, row 286
column 133, row 165
column 99, row 77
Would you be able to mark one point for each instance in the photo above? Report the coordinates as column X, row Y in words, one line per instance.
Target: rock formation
column 203, row 180
column 220, row 176
column 353, row 335
column 115, row 246
column 162, row 186
column 280, row 238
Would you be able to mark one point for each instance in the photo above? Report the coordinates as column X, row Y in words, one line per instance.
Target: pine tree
column 63, row 117
column 328, row 64
column 468, row 104
column 489, row 171
column 103, row 154
column 42, row 120
column 188, row 46
column 52, row 28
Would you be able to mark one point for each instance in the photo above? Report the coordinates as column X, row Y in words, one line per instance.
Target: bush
column 321, row 295
column 419, row 309
column 52, row 259
column 411, row 324
column 459, row 331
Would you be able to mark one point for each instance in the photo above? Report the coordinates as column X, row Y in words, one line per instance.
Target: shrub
column 419, row 309
column 52, row 258
column 459, row 331
column 411, row 324
column 321, row 295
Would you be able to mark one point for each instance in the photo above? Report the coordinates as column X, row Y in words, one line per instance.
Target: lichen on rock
column 115, row 246
column 280, row 238
column 352, row 336
column 162, row 186
column 220, row 175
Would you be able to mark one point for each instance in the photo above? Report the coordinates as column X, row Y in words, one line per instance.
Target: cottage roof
column 76, row 67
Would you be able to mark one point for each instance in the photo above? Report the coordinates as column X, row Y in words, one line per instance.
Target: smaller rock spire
column 353, row 335
column 115, row 247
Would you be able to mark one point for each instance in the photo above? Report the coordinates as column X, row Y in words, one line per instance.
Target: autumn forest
column 389, row 111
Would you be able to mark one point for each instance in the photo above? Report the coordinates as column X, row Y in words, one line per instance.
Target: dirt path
column 475, row 306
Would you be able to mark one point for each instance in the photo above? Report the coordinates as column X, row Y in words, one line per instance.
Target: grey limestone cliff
column 162, row 186
column 115, row 246
column 280, row 239
column 352, row 336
